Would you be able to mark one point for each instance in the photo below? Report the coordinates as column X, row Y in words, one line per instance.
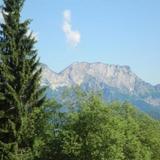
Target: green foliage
column 37, row 130
column 91, row 129
column 20, row 90
column 102, row 131
column 91, row 136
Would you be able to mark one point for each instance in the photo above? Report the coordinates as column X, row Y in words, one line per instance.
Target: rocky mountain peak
column 114, row 75
column 115, row 82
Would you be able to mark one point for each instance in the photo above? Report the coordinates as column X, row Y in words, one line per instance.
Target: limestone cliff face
column 99, row 75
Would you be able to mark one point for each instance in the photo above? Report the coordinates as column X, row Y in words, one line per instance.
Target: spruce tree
column 20, row 74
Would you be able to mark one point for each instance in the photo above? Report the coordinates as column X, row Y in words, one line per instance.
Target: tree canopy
column 103, row 131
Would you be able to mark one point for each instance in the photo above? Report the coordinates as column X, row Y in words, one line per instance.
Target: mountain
column 114, row 81
column 157, row 87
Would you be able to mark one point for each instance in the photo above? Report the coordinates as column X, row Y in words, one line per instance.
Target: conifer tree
column 20, row 74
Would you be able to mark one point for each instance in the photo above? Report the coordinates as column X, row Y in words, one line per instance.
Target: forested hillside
column 98, row 130
column 92, row 130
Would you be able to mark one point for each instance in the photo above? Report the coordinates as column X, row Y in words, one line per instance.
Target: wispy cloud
column 73, row 37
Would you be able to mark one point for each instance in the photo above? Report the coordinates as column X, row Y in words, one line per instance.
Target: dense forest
column 86, row 128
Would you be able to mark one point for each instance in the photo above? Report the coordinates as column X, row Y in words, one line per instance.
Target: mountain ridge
column 119, row 82
column 80, row 65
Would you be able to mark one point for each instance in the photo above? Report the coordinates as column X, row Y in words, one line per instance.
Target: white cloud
column 67, row 15
column 73, row 37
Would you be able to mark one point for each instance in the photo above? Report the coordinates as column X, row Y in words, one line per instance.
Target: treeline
column 85, row 128
column 95, row 130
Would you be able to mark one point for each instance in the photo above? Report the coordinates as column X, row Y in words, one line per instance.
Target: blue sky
column 125, row 32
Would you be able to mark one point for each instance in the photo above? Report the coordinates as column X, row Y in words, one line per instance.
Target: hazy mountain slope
column 157, row 87
column 114, row 81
